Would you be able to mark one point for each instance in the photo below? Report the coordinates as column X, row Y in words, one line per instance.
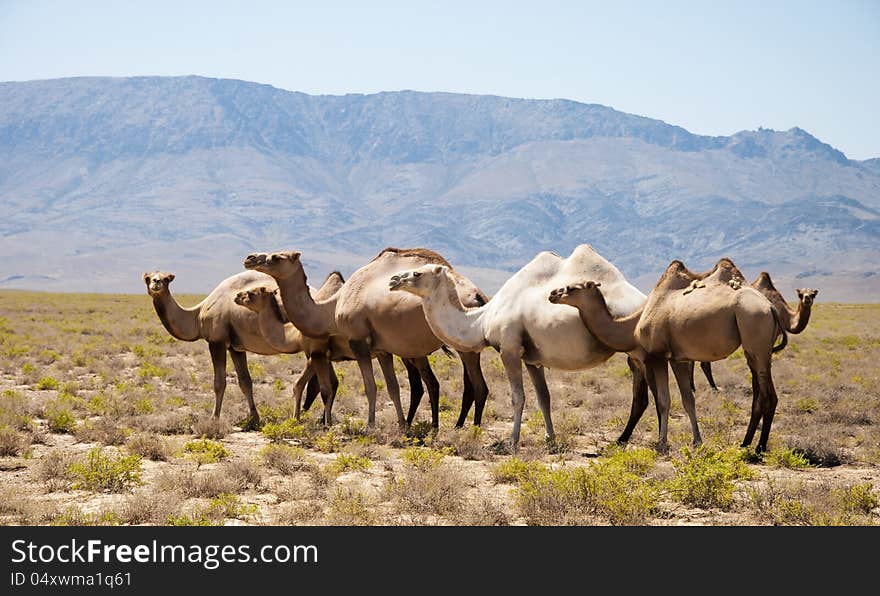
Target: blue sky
column 711, row 67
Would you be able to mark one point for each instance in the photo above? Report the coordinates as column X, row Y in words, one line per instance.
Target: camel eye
column 417, row 274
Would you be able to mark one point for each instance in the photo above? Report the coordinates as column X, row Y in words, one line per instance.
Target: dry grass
column 79, row 372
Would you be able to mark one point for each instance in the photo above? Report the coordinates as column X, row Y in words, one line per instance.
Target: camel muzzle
column 252, row 261
column 395, row 282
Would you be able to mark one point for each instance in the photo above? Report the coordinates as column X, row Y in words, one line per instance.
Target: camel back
column 424, row 253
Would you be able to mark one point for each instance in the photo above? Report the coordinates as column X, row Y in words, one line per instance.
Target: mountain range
column 102, row 179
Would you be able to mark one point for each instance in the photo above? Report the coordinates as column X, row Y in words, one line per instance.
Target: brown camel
column 794, row 321
column 286, row 338
column 686, row 318
column 378, row 323
column 226, row 326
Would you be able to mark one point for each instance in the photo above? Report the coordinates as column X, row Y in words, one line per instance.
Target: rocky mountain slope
column 104, row 178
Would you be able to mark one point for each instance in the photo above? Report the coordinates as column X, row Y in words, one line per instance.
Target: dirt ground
column 105, row 419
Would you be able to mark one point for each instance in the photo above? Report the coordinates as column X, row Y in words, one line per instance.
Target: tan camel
column 226, row 326
column 794, row 321
column 377, row 323
column 522, row 325
column 684, row 321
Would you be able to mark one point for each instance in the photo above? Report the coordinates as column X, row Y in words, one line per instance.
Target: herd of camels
column 568, row 313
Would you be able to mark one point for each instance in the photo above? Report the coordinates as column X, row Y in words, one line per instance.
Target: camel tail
column 784, row 341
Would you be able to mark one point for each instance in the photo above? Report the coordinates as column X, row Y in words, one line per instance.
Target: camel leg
column 305, row 379
column 365, row 363
column 239, row 360
column 683, row 372
column 479, row 391
column 513, row 366
column 707, row 371
column 639, row 400
column 543, row 395
column 386, row 363
column 660, row 374
column 323, row 370
column 756, row 409
column 416, row 390
column 218, row 360
column 768, row 405
column 433, row 385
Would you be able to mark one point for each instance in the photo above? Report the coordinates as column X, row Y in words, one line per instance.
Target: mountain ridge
column 100, row 177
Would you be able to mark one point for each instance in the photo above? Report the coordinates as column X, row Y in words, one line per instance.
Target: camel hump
column 422, row 253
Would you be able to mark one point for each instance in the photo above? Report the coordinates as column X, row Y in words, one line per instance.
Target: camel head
column 573, row 295
column 806, row 295
column 421, row 281
column 157, row 282
column 277, row 264
column 254, row 299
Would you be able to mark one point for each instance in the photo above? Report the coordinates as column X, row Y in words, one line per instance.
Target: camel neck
column 281, row 336
column 182, row 323
column 617, row 334
column 315, row 319
column 451, row 322
column 798, row 321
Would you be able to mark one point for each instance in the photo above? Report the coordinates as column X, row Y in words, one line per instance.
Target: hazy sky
column 712, row 67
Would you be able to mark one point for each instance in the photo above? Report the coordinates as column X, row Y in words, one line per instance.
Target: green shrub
column 705, row 476
column 328, row 442
column 350, row 463
column 425, row 458
column 47, row 383
column 101, row 472
column 787, row 458
column 228, row 505
column 287, row 429
column 205, row 451
column 515, row 470
column 611, row 490
column 60, row 419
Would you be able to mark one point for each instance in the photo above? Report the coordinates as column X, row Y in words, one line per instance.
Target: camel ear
column 438, row 269
column 293, row 255
column 597, row 283
column 169, row 277
column 146, row 277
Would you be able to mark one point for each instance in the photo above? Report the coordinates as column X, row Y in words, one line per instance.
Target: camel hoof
column 502, row 447
column 662, row 448
column 251, row 424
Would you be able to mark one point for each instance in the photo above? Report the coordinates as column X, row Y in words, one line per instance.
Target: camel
column 377, row 323
column 226, row 326
column 686, row 321
column 523, row 326
column 286, row 338
column 794, row 321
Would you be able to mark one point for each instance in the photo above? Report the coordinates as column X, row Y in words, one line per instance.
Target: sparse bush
column 243, row 472
column 349, row 507
column 148, row 507
column 212, row 428
column 428, row 485
column 12, row 442
column 54, row 469
column 148, row 445
column 286, row 459
column 425, row 458
column 101, row 472
column 228, row 505
column 190, row 484
column 468, row 443
column 102, row 430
